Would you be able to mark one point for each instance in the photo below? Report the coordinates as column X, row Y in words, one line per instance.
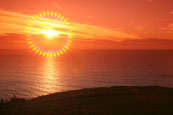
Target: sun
column 49, row 25
column 50, row 33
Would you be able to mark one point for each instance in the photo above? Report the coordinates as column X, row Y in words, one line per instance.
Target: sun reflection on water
column 51, row 76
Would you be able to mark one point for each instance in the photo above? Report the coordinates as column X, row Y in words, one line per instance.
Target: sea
column 27, row 75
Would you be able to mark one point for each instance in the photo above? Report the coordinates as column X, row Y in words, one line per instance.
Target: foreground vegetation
column 97, row 101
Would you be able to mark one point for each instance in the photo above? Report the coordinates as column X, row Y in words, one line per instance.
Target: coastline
column 121, row 100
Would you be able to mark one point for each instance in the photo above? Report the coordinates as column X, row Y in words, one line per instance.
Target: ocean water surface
column 27, row 75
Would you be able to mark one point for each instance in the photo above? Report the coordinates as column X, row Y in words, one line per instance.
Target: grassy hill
column 147, row 100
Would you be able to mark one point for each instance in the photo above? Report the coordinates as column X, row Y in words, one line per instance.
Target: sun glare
column 47, row 24
column 51, row 33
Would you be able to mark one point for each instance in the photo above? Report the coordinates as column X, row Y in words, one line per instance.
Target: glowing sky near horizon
column 122, row 24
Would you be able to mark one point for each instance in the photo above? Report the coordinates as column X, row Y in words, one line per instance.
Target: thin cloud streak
column 12, row 22
column 58, row 6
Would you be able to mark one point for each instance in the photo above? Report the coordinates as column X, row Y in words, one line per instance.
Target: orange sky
column 102, row 24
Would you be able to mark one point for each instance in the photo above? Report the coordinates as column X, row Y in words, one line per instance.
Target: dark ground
column 98, row 101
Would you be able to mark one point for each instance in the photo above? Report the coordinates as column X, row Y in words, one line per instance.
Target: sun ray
column 50, row 20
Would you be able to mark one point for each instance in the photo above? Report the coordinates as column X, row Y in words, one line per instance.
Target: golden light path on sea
column 48, row 25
